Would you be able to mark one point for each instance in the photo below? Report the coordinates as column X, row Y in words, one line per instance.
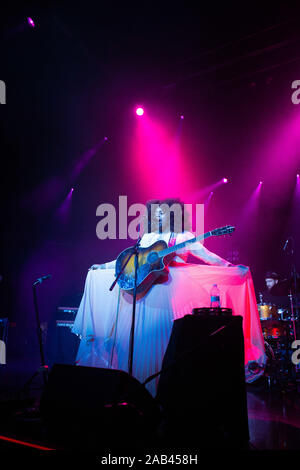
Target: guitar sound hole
column 152, row 257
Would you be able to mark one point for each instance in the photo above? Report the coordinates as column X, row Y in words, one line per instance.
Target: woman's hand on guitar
column 97, row 266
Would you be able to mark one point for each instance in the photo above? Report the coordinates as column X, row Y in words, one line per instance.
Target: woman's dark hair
column 185, row 222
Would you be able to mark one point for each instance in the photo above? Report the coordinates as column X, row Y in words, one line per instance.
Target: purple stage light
column 30, row 22
column 181, row 116
column 208, row 190
column 260, row 182
column 139, row 111
column 298, row 175
column 208, row 199
column 85, row 158
column 63, row 212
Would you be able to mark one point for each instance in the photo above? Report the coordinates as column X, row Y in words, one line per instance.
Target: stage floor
column 273, row 412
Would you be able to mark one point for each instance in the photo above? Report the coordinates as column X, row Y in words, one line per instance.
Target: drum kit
column 280, row 323
column 280, row 328
column 275, row 321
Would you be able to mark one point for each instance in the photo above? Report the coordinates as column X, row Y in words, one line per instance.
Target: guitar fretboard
column 177, row 247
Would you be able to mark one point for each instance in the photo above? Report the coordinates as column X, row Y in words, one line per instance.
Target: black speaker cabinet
column 202, row 388
column 65, row 345
column 87, row 407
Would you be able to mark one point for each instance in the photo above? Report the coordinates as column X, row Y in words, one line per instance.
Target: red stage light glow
column 159, row 158
column 23, row 443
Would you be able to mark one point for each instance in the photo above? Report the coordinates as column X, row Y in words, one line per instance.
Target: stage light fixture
column 30, row 22
column 139, row 111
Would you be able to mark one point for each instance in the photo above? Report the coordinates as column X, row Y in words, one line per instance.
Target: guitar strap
column 172, row 240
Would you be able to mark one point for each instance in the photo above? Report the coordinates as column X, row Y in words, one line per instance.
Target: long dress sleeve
column 110, row 264
column 199, row 251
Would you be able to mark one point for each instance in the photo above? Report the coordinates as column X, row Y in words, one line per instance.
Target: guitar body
column 151, row 266
column 152, row 261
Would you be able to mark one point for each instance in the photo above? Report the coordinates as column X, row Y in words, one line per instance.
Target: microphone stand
column 131, row 343
column 43, row 368
column 135, row 253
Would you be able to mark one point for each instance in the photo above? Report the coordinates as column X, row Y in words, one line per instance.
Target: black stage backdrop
column 75, row 79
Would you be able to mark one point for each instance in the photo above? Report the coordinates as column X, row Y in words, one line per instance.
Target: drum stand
column 293, row 295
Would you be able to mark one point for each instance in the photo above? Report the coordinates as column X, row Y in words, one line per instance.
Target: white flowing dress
column 103, row 321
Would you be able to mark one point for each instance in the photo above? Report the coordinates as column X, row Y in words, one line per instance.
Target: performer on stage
column 158, row 226
column 103, row 321
column 271, row 280
column 277, row 290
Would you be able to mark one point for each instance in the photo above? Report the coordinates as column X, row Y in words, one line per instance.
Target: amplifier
column 67, row 310
column 63, row 344
column 65, row 323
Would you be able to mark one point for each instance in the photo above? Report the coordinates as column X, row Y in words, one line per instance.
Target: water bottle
column 215, row 297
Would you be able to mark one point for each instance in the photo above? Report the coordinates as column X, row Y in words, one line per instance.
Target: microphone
column 286, row 244
column 41, row 279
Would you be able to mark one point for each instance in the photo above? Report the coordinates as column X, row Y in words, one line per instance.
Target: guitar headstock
column 222, row 230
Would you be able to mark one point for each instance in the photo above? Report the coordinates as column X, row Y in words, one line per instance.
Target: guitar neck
column 179, row 246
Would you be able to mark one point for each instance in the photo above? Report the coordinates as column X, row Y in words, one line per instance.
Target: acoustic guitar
column 153, row 260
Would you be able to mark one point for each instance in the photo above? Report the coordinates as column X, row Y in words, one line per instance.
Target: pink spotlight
column 297, row 175
column 260, row 182
column 182, row 116
column 30, row 22
column 225, row 180
column 139, row 111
